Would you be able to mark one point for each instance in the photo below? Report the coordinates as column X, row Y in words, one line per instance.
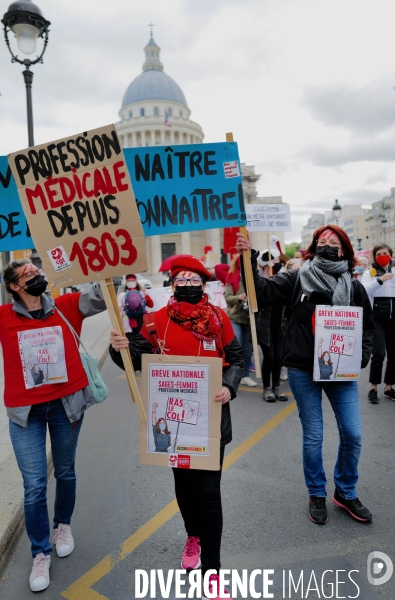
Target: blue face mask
column 162, row 426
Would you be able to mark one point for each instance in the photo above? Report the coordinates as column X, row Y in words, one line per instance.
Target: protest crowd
column 313, row 320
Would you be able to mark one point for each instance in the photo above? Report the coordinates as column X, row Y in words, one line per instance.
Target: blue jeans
column 29, row 447
column 243, row 333
column 344, row 400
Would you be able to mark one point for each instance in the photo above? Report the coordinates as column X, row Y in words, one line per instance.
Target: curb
column 13, row 515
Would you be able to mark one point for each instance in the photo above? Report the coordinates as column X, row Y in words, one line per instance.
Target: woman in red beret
column 190, row 326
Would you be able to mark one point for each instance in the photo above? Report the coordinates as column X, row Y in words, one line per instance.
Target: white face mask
column 130, row 284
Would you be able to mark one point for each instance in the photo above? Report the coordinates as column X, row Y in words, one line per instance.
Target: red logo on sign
column 173, row 460
column 184, row 461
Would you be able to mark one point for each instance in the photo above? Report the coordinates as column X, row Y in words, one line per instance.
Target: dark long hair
column 348, row 250
column 322, row 358
column 158, row 428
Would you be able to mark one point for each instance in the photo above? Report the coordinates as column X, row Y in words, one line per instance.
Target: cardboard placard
column 79, row 203
column 338, row 343
column 178, row 393
column 187, row 187
column 268, row 217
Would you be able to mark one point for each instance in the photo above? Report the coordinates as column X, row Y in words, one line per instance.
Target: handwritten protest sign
column 183, row 421
column 338, row 343
column 177, row 188
column 79, row 203
column 14, row 232
column 268, row 217
column 187, row 188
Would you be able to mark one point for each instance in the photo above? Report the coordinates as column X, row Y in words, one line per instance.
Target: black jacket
column 231, row 375
column 298, row 348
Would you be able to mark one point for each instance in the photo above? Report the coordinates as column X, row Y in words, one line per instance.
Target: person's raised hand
column 118, row 341
column 242, row 243
column 387, row 277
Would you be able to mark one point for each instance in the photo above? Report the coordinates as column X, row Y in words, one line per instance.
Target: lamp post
column 26, row 21
column 336, row 211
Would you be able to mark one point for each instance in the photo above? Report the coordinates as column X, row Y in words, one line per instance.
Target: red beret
column 189, row 263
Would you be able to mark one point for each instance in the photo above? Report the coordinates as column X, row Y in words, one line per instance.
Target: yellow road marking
column 82, row 588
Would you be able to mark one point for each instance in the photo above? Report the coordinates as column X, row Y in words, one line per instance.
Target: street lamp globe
column 336, row 211
column 26, row 20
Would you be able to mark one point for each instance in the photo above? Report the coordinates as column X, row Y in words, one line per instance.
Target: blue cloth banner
column 14, row 232
column 177, row 188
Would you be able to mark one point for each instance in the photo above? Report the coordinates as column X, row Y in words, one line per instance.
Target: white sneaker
column 248, row 381
column 39, row 577
column 64, row 540
column 284, row 374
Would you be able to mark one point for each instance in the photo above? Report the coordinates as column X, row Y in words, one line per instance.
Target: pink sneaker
column 191, row 554
column 213, row 586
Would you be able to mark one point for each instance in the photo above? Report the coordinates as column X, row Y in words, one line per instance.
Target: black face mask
column 328, row 253
column 277, row 267
column 36, row 286
column 188, row 293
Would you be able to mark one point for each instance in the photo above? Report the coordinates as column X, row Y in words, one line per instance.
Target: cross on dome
column 151, row 25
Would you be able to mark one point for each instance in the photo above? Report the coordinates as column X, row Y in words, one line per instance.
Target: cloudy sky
column 306, row 86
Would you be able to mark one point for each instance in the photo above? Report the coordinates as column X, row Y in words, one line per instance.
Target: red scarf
column 233, row 279
column 203, row 319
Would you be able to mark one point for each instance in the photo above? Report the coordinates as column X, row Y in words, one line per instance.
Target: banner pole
column 250, row 291
column 269, row 254
column 247, row 260
column 110, row 298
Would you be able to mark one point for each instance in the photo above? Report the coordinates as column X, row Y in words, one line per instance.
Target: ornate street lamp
column 336, row 211
column 26, row 21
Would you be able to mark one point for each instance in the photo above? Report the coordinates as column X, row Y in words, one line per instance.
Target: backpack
column 134, row 304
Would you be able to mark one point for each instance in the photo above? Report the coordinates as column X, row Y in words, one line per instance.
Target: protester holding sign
column 45, row 384
column 133, row 302
column 380, row 285
column 325, row 278
column 190, row 326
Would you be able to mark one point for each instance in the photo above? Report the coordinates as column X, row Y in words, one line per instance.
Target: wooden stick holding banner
column 110, row 298
column 270, row 264
column 250, row 291
column 254, row 338
column 247, row 262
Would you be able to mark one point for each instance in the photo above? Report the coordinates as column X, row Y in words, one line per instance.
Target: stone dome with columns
column 154, row 110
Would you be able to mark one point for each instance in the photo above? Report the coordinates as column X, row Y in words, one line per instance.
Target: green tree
column 291, row 248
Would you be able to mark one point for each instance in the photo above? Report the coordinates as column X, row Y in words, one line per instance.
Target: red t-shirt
column 17, row 362
column 178, row 340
